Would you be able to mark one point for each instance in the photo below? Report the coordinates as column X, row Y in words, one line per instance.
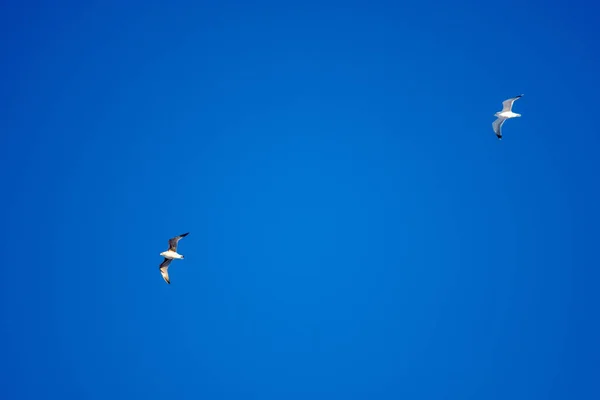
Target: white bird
column 170, row 255
column 505, row 114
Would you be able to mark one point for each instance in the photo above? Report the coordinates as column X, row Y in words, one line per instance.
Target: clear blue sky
column 357, row 230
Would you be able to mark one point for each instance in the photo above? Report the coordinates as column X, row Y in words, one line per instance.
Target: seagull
column 169, row 255
column 505, row 114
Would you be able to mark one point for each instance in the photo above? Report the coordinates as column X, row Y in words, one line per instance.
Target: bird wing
column 507, row 104
column 164, row 267
column 497, row 125
column 173, row 241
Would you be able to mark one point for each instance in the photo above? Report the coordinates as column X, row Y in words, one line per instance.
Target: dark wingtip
column 185, row 234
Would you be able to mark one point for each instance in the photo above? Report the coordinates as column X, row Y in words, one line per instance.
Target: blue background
column 357, row 230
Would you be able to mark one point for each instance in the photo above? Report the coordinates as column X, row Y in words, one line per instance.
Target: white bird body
column 171, row 255
column 506, row 114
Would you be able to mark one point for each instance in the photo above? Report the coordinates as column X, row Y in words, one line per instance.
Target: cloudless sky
column 357, row 229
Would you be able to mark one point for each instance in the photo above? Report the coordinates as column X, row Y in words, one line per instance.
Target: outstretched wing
column 507, row 104
column 164, row 267
column 497, row 125
column 173, row 242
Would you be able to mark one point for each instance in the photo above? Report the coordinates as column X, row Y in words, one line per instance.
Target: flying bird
column 170, row 255
column 505, row 114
